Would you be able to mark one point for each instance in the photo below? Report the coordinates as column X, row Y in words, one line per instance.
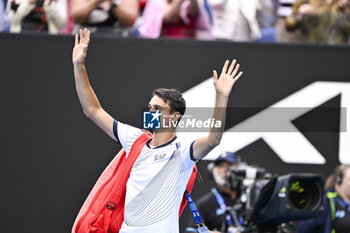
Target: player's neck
column 161, row 138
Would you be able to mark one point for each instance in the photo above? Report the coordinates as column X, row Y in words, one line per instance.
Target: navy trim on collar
column 160, row 145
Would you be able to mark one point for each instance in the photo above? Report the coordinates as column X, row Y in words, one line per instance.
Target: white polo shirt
column 156, row 184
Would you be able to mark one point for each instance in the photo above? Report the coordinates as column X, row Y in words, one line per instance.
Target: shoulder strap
column 116, row 199
column 189, row 188
column 125, row 168
column 201, row 227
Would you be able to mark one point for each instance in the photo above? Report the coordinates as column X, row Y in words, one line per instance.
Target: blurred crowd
column 321, row 21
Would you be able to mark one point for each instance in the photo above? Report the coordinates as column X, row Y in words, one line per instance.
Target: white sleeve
column 56, row 13
column 125, row 134
column 16, row 17
column 186, row 148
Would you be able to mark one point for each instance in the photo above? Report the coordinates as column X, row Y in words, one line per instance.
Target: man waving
column 160, row 173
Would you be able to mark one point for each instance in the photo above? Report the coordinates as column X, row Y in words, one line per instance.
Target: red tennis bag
column 103, row 210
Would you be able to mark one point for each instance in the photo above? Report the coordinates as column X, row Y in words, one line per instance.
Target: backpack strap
column 116, row 200
column 189, row 188
column 126, row 167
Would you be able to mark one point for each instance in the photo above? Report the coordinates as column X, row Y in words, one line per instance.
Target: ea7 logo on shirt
column 158, row 157
column 151, row 120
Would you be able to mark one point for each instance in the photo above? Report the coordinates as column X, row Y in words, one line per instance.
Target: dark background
column 51, row 154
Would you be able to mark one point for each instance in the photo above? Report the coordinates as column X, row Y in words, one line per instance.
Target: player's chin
column 161, row 130
column 154, row 130
column 149, row 130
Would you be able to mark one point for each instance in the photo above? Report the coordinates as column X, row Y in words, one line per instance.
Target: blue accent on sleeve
column 191, row 152
column 115, row 130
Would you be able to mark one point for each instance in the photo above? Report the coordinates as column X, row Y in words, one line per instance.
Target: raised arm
column 172, row 10
column 223, row 86
column 81, row 9
column 88, row 100
column 126, row 11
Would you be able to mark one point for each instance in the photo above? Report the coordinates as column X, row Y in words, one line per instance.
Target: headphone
column 339, row 178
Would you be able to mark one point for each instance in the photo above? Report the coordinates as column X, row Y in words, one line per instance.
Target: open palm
column 81, row 46
column 227, row 79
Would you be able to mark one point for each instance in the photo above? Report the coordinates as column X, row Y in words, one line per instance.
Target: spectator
column 284, row 10
column 68, row 29
column 212, row 206
column 336, row 215
column 266, row 16
column 326, row 21
column 3, row 16
column 266, row 13
column 47, row 16
column 174, row 18
column 235, row 19
column 105, row 16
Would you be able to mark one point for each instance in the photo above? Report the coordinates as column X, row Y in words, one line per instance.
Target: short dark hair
column 173, row 98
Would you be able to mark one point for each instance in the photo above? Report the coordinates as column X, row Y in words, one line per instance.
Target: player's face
column 158, row 104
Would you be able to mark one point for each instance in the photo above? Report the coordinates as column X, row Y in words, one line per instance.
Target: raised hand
column 81, row 46
column 227, row 79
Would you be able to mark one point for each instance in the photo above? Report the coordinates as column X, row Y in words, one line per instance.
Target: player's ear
column 177, row 116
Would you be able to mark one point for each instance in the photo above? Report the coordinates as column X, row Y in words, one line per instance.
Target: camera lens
column 304, row 194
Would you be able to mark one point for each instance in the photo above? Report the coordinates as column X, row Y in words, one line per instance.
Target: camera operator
column 336, row 215
column 213, row 205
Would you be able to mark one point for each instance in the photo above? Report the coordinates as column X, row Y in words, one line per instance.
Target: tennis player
column 159, row 176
